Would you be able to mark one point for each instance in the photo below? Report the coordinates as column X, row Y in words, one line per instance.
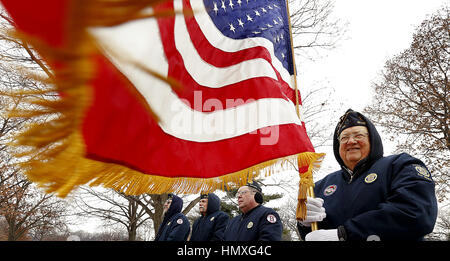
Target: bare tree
column 318, row 111
column 153, row 204
column 112, row 207
column 287, row 214
column 314, row 27
column 113, row 234
column 443, row 225
column 412, row 98
column 441, row 231
column 29, row 210
column 26, row 211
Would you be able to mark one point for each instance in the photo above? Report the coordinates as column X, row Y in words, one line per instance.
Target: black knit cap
column 258, row 195
column 351, row 118
column 254, row 185
column 203, row 195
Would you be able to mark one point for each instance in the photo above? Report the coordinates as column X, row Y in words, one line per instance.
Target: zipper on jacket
column 350, row 173
column 351, row 179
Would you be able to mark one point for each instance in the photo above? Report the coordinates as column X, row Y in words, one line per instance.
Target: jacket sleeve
column 303, row 230
column 179, row 231
column 410, row 210
column 270, row 227
column 219, row 227
column 194, row 229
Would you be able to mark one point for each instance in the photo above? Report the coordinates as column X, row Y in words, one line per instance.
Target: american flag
column 234, row 114
column 239, row 19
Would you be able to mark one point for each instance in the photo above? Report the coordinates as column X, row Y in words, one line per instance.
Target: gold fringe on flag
column 306, row 184
column 53, row 150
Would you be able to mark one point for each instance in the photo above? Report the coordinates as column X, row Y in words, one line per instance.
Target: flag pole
column 293, row 60
column 310, row 189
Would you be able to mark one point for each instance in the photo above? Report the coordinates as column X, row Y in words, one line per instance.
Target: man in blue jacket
column 212, row 223
column 257, row 222
column 372, row 197
column 175, row 225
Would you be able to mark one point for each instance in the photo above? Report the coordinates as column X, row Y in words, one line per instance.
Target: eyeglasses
column 356, row 137
column 241, row 192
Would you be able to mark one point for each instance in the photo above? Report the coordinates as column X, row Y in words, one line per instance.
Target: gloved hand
column 323, row 235
column 314, row 211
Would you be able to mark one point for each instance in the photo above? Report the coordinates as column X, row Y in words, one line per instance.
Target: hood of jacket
column 175, row 207
column 376, row 148
column 213, row 203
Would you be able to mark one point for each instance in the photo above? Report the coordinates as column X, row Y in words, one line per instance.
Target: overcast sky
column 377, row 31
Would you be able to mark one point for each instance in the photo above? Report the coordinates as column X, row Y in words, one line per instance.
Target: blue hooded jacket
column 210, row 227
column 175, row 225
column 384, row 198
column 259, row 224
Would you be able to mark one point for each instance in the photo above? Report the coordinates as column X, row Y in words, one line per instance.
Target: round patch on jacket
column 180, row 221
column 423, row 172
column 250, row 224
column 271, row 218
column 373, row 238
column 370, row 178
column 329, row 190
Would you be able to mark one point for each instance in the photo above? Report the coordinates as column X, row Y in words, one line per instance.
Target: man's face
column 354, row 145
column 167, row 205
column 246, row 199
column 203, row 206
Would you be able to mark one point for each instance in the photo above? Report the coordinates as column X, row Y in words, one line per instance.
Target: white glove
column 323, row 235
column 314, row 211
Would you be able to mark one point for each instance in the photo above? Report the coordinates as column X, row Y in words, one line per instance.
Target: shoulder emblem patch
column 271, row 218
column 250, row 225
column 329, row 190
column 423, row 172
column 180, row 221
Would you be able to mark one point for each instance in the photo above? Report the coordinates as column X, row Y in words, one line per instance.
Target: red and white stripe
column 192, row 139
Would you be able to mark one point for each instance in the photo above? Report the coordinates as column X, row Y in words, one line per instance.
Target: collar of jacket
column 361, row 167
column 245, row 215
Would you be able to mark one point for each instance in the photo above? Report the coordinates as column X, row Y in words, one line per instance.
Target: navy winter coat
column 175, row 226
column 259, row 224
column 384, row 198
column 210, row 227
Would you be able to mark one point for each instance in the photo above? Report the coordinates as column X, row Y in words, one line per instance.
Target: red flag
column 233, row 116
